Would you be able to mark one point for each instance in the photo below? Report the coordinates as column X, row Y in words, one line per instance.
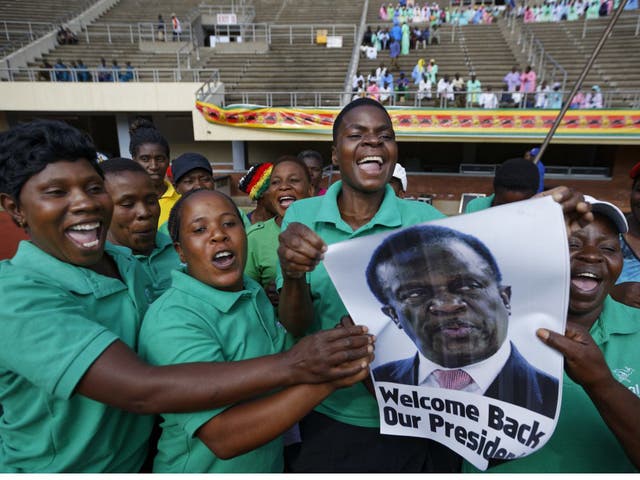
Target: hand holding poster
column 455, row 304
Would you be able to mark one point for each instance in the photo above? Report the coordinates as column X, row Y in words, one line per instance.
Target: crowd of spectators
column 569, row 10
column 77, row 71
column 544, row 11
column 426, row 86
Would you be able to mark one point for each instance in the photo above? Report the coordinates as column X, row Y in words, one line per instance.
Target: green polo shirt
column 57, row 319
column 262, row 256
column 193, row 322
column 159, row 265
column 479, row 203
column 353, row 405
column 582, row 442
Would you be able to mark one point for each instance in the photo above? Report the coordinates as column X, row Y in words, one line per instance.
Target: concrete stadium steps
column 128, row 11
column 54, row 11
column 618, row 64
column 284, row 68
column 307, row 11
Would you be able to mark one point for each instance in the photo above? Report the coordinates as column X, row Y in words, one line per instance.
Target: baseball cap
column 187, row 162
column 610, row 211
column 400, row 173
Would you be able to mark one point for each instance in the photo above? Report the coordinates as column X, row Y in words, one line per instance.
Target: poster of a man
column 455, row 304
column 444, row 289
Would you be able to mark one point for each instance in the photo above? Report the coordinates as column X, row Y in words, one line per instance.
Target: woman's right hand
column 331, row 355
column 300, row 250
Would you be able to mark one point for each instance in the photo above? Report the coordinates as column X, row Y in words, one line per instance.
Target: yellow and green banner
column 438, row 122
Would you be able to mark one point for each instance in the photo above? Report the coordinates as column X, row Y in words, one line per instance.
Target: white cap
column 401, row 174
column 610, row 211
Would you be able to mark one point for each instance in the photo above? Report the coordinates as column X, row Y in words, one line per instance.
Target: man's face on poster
column 448, row 301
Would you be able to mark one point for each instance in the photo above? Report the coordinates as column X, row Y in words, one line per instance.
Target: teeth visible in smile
column 283, row 199
column 91, row 244
column 370, row 159
column 221, row 255
column 85, row 226
column 587, row 275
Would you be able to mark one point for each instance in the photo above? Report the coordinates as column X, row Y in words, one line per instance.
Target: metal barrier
column 632, row 28
column 627, row 99
column 130, row 33
column 108, row 75
column 301, row 33
column 247, row 32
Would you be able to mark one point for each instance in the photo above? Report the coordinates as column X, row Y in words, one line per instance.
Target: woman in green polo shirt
column 365, row 150
column 134, row 223
column 290, row 181
column 73, row 392
column 213, row 312
column 598, row 429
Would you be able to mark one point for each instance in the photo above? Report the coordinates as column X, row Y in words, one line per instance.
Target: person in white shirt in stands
column 385, row 93
column 488, row 99
column 445, row 90
column 424, row 89
column 594, row 98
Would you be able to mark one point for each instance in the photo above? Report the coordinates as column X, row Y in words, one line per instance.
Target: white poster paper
column 454, row 305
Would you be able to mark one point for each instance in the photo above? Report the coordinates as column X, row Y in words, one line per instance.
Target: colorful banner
column 438, row 122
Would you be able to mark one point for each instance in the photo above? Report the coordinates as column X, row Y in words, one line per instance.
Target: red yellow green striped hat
column 256, row 181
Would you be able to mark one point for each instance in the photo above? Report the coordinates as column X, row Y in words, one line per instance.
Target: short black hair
column 143, row 131
column 517, row 175
column 117, row 165
column 358, row 102
column 27, row 149
column 296, row 160
column 404, row 244
column 175, row 216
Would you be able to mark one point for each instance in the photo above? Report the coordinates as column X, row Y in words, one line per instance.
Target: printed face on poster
column 455, row 305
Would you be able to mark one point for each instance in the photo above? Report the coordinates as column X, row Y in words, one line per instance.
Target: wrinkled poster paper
column 528, row 241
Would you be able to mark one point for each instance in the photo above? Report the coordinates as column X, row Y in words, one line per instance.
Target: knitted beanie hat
column 256, row 181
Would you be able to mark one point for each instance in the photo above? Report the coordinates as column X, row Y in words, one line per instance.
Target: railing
column 209, row 87
column 307, row 33
column 131, row 33
column 620, row 28
column 627, row 99
column 25, row 30
column 15, row 35
column 108, row 75
column 248, row 32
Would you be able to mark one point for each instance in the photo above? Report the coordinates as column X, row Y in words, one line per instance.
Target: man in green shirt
column 516, row 179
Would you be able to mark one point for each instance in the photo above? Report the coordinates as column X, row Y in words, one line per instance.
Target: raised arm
column 265, row 418
column 299, row 252
column 119, row 378
column 585, row 364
